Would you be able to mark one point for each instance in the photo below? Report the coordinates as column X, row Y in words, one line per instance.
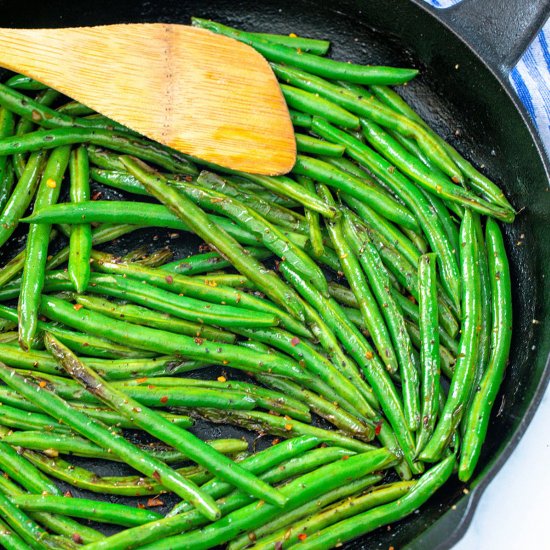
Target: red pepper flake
column 97, row 195
column 276, row 441
column 288, row 427
column 151, row 386
column 456, row 179
column 225, row 362
column 188, row 178
column 302, row 536
column 369, row 355
column 198, row 340
column 42, row 383
column 164, row 399
column 78, row 307
column 152, row 502
column 141, row 380
column 77, row 538
column 295, row 341
column 68, row 494
column 204, row 247
column 278, row 545
column 141, row 506
column 169, row 279
column 156, row 475
column 345, row 457
column 378, row 428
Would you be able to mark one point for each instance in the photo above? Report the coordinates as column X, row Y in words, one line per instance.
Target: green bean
column 37, row 247
column 10, row 540
column 301, row 120
column 478, row 415
column 380, row 201
column 271, row 236
column 108, row 440
column 270, row 400
column 366, row 522
column 266, row 280
column 429, row 349
column 383, row 226
column 363, row 106
column 103, row 234
column 42, row 115
column 280, row 426
column 135, row 213
column 313, row 146
column 410, row 310
column 21, row 196
column 133, row 486
column 45, row 97
column 314, row 227
column 24, row 420
column 372, row 316
column 322, row 518
column 432, row 181
column 6, row 183
column 23, row 472
column 22, row 82
column 464, row 370
column 186, row 519
column 194, row 288
column 276, row 214
column 337, row 416
column 299, row 491
column 157, row 426
column 314, row 105
column 287, row 522
column 447, row 221
column 80, row 245
column 121, row 143
column 287, row 187
column 317, row 365
column 209, row 261
column 328, row 68
column 372, row 265
column 22, row 524
column 477, row 180
column 85, row 344
column 484, row 322
column 361, row 351
column 74, row 108
column 103, row 512
column 311, row 45
column 447, row 359
column 413, row 198
column 143, row 316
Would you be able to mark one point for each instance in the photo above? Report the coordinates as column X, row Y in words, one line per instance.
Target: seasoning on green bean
column 429, row 349
column 197, row 220
column 380, row 201
column 108, row 440
column 366, row 522
column 376, row 273
column 464, row 370
column 37, row 247
column 157, row 426
column 477, row 419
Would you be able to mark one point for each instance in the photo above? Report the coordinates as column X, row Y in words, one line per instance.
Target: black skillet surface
column 464, row 93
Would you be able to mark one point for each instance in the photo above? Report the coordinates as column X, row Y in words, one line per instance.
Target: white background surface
column 514, row 510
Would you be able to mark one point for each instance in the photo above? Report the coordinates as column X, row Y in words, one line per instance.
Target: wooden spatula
column 198, row 92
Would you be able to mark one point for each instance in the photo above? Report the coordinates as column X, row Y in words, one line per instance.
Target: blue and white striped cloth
column 530, row 77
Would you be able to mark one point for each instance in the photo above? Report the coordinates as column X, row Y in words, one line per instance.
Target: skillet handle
column 499, row 31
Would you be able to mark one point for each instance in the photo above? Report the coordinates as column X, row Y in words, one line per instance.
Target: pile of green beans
column 354, row 316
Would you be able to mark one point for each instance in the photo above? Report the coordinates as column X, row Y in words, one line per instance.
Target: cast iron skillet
column 465, row 54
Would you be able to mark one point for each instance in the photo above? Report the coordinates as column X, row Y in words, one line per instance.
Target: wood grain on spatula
column 201, row 93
